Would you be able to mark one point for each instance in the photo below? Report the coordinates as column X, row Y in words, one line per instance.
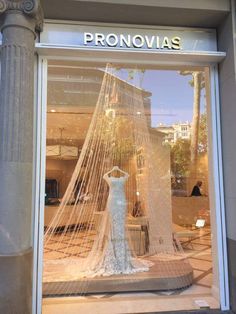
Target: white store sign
column 131, row 41
column 104, row 36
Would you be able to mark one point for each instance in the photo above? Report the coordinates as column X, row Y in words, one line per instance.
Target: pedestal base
column 162, row 276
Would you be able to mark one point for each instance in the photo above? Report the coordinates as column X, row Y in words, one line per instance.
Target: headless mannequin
column 117, row 257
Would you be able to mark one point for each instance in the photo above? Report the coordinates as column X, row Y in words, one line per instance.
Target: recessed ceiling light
column 138, row 112
column 53, row 110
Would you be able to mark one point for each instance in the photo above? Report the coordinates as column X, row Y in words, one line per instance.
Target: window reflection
column 153, row 125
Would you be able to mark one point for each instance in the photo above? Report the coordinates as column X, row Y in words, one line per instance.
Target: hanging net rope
column 115, row 221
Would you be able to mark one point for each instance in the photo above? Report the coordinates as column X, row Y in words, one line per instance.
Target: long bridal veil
column 119, row 134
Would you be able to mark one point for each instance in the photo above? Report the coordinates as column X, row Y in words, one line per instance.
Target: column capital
column 29, row 8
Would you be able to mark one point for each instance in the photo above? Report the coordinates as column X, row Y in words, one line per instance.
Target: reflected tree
column 180, row 164
column 202, row 137
column 198, row 83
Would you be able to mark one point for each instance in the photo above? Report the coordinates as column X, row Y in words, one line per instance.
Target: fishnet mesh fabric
column 120, row 134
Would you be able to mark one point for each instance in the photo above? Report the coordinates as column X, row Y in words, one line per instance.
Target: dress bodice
column 115, row 184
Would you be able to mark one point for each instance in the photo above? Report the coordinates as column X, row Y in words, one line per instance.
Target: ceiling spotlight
column 53, row 110
column 138, row 112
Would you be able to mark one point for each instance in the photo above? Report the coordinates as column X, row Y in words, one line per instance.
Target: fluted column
column 19, row 21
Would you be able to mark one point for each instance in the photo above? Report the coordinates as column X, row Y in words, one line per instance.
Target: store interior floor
column 199, row 295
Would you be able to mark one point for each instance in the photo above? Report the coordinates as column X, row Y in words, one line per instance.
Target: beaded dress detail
column 117, row 257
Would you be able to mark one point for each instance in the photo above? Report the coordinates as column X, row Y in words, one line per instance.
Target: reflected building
column 176, row 131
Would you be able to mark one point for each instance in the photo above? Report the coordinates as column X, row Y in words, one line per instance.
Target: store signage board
column 111, row 37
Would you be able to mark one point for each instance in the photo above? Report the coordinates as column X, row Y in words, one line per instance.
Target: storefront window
column 127, row 206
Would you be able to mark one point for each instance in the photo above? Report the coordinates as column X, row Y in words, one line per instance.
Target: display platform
column 162, row 276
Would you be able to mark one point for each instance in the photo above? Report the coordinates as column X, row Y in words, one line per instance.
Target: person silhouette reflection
column 196, row 189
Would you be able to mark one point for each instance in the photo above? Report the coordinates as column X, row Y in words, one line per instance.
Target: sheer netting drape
column 119, row 134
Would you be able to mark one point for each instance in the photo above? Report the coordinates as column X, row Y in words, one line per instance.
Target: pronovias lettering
column 132, row 41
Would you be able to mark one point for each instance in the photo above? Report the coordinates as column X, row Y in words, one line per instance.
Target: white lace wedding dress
column 110, row 254
column 117, row 257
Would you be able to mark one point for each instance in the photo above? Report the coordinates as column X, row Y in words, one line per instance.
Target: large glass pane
column 127, row 197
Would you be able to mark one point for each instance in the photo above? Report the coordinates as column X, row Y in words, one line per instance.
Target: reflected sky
column 172, row 95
